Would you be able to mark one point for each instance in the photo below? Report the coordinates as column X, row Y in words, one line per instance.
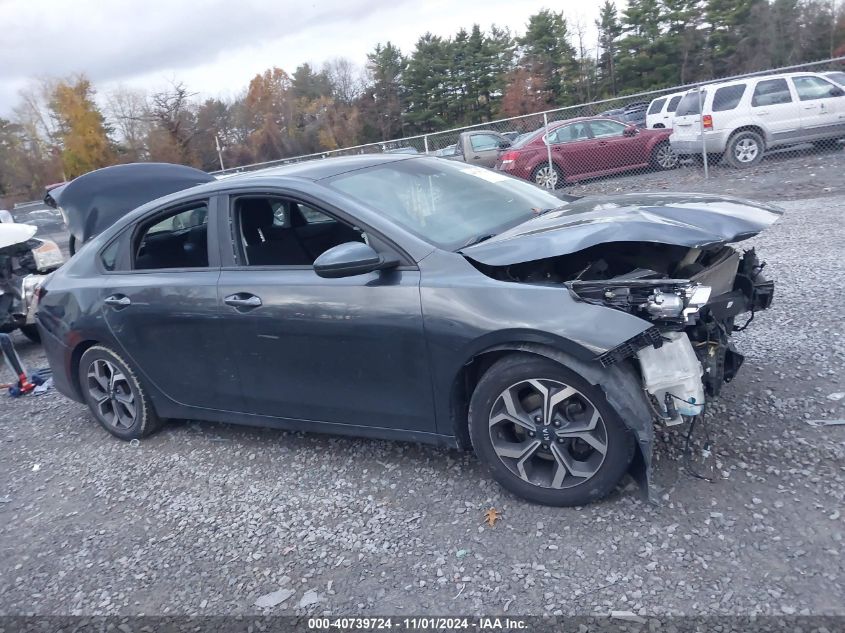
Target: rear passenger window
column 771, row 92
column 727, row 97
column 175, row 240
column 656, row 106
column 673, row 103
column 108, row 256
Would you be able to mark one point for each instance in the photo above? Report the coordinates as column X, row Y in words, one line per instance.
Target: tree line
column 62, row 128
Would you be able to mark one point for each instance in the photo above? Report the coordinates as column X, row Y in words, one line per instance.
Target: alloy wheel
column 112, row 394
column 547, row 433
column 546, row 177
column 666, row 157
column 746, row 150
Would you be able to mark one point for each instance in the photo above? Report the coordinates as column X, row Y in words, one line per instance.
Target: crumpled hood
column 682, row 219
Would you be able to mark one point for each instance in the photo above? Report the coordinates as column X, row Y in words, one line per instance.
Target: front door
column 347, row 351
column 484, row 149
column 822, row 106
column 164, row 313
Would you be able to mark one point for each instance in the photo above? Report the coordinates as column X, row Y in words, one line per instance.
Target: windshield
column 445, row 203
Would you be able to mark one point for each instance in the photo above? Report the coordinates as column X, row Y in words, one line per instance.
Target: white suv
column 743, row 118
column 661, row 111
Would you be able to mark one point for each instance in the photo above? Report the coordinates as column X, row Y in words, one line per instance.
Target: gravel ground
column 207, row 518
column 791, row 174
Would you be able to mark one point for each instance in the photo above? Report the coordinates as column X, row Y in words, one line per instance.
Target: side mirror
column 349, row 259
column 631, row 130
column 504, row 144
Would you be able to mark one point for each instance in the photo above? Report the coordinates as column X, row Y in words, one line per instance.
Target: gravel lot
column 207, row 518
column 791, row 174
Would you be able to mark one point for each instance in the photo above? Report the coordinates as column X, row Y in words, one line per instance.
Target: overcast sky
column 217, row 46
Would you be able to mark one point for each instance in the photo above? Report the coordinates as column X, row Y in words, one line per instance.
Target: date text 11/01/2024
column 417, row 624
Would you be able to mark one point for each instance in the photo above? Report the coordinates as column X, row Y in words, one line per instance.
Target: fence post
column 425, row 141
column 701, row 132
column 548, row 151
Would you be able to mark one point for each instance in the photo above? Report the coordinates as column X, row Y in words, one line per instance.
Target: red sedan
column 586, row 148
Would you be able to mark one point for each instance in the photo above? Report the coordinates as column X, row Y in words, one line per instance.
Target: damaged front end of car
column 25, row 262
column 670, row 260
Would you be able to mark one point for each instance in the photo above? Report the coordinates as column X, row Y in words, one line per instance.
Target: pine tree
column 609, row 30
column 383, row 102
column 549, row 56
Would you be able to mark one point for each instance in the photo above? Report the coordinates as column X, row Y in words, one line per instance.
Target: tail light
column 707, row 121
column 508, row 159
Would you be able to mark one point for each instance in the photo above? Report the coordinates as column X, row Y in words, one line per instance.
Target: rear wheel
column 546, row 434
column 115, row 395
column 31, row 332
column 547, row 177
column 745, row 149
column 664, row 157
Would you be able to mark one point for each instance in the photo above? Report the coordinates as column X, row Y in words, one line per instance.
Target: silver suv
column 744, row 118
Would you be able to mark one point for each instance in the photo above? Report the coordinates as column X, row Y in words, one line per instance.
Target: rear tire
column 745, row 149
column 567, row 452
column 548, row 179
column 115, row 395
column 31, row 332
column 663, row 157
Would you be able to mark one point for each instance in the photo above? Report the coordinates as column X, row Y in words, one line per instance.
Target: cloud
column 119, row 39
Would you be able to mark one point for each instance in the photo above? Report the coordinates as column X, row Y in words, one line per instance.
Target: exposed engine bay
column 692, row 295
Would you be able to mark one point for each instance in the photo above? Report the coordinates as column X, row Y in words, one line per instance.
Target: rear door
column 160, row 304
column 822, row 106
column 775, row 109
column 572, row 149
column 484, row 148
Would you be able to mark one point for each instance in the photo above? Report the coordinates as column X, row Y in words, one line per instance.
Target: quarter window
column 810, row 88
column 656, row 106
column 771, row 92
column 727, row 97
column 176, row 240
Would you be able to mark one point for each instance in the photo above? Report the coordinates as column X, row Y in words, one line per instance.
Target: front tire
column 546, row 434
column 547, row 178
column 115, row 395
column 745, row 149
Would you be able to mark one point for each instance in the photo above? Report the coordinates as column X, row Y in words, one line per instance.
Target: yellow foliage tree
column 82, row 129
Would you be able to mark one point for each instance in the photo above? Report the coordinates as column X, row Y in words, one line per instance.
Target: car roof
column 320, row 168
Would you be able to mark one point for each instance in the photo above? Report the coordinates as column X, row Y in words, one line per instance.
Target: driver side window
column 274, row 231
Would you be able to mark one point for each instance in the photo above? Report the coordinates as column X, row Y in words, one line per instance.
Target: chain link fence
column 710, row 136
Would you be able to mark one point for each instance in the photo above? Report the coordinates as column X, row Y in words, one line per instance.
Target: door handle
column 243, row 300
column 118, row 301
column 602, row 142
column 476, row 157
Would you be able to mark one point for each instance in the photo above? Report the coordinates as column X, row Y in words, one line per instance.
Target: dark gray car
column 415, row 299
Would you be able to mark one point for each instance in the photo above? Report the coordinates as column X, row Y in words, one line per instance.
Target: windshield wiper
column 478, row 239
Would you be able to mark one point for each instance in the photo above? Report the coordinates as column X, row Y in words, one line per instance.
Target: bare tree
column 174, row 117
column 128, row 111
column 347, row 79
